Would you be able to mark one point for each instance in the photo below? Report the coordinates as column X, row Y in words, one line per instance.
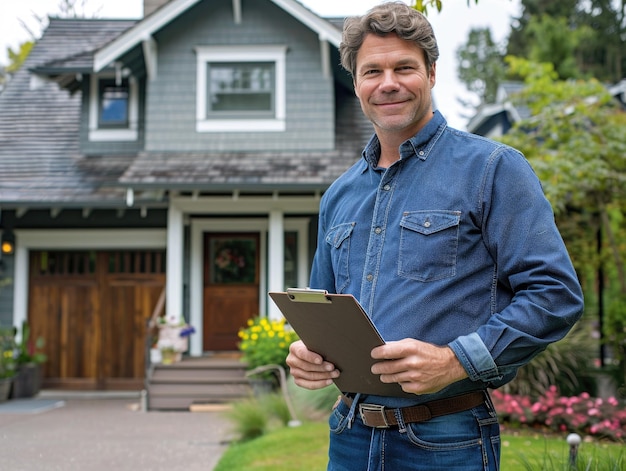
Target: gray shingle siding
column 171, row 101
column 110, row 147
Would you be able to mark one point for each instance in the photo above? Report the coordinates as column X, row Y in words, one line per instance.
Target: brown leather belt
column 378, row 416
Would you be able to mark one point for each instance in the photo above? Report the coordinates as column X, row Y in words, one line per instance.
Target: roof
column 39, row 124
column 174, row 8
column 40, row 158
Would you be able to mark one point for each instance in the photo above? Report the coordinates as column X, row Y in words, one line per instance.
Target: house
column 181, row 155
column 496, row 119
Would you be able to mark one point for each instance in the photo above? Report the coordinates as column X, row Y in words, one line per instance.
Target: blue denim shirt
column 454, row 244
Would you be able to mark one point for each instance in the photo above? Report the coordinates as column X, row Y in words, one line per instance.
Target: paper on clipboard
column 337, row 327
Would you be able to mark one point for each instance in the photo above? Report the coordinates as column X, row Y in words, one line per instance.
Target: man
column 449, row 244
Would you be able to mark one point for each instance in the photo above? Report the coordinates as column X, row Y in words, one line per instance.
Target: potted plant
column 30, row 357
column 7, row 362
column 173, row 338
column 265, row 342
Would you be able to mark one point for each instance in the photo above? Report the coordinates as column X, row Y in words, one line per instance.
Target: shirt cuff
column 475, row 358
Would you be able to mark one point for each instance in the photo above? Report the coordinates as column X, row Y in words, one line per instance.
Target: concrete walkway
column 98, row 432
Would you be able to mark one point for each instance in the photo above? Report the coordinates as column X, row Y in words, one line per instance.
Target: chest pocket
column 338, row 237
column 428, row 244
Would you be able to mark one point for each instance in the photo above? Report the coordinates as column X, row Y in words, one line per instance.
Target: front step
column 198, row 380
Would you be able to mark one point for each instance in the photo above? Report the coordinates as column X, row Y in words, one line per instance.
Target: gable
column 146, row 29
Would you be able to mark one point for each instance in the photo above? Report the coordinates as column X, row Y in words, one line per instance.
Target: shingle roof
column 39, row 125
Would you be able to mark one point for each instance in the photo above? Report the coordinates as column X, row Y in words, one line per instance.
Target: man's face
column 393, row 85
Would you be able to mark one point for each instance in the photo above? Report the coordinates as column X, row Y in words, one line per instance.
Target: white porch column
column 276, row 259
column 174, row 274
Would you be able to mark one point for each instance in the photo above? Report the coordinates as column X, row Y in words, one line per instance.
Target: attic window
column 113, row 108
column 240, row 89
column 113, row 104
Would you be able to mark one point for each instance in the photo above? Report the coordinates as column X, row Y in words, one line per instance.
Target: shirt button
column 421, row 152
column 370, row 277
column 378, row 230
column 427, row 224
column 386, row 187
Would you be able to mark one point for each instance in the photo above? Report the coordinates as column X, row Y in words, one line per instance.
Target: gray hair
column 391, row 17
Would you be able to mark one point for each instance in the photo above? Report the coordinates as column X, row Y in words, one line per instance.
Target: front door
column 231, row 287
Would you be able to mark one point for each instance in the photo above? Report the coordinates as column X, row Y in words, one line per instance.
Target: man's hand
column 419, row 367
column 309, row 370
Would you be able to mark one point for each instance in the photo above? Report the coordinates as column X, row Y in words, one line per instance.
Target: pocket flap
column 336, row 235
column 429, row 222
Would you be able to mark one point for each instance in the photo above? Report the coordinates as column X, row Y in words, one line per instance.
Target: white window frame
column 107, row 135
column 240, row 54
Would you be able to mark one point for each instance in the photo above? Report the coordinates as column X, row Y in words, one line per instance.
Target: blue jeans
column 465, row 441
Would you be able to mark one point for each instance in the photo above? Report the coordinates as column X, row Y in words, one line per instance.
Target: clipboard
column 337, row 327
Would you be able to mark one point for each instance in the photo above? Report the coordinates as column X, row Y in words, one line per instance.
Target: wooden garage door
column 91, row 308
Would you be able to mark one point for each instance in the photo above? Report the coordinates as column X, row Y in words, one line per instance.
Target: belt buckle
column 376, row 409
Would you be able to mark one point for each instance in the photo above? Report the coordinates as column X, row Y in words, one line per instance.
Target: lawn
column 304, row 449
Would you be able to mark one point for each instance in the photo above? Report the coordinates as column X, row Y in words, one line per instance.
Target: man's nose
column 389, row 81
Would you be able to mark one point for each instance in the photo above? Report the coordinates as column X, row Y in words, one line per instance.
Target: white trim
column 30, row 239
column 150, row 52
column 207, row 54
column 243, row 205
column 142, row 30
column 167, row 13
column 237, row 11
column 276, row 258
column 175, row 256
column 323, row 28
column 107, row 135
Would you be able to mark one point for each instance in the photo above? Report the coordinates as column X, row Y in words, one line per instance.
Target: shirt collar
column 419, row 145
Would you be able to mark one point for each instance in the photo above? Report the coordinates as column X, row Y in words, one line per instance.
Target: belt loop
column 400, row 420
column 352, row 412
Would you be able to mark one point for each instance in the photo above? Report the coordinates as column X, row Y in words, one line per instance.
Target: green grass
column 304, row 448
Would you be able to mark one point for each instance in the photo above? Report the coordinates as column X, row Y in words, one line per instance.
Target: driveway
column 98, row 432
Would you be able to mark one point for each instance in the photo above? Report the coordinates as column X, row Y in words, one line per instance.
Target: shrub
column 265, row 342
column 563, row 364
column 250, row 420
column 603, row 418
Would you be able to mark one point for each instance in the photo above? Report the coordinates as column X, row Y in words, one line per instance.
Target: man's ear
column 355, row 89
column 433, row 75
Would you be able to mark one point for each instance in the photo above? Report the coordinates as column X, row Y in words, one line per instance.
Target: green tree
column 67, row 9
column 580, row 37
column 576, row 143
column 17, row 58
column 481, row 65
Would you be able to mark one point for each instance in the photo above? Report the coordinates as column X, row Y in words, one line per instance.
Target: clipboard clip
column 308, row 295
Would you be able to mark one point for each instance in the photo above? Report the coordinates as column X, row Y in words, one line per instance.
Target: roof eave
column 147, row 27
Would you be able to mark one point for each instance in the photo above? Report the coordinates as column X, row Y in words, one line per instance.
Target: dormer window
column 113, row 108
column 113, row 104
column 240, row 89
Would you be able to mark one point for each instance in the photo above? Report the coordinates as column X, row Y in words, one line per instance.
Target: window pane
column 245, row 87
column 113, row 104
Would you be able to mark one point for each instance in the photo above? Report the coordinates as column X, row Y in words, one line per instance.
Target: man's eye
column 371, row 72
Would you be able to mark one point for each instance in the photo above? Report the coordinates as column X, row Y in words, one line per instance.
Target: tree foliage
column 424, row 5
column 575, row 141
column 481, row 65
column 582, row 38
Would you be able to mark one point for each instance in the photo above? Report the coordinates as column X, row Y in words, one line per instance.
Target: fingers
column 308, row 369
column 418, row 367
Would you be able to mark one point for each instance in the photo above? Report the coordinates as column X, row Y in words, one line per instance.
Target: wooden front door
column 91, row 309
column 231, row 287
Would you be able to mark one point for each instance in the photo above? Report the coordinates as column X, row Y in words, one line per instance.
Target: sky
column 451, row 27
